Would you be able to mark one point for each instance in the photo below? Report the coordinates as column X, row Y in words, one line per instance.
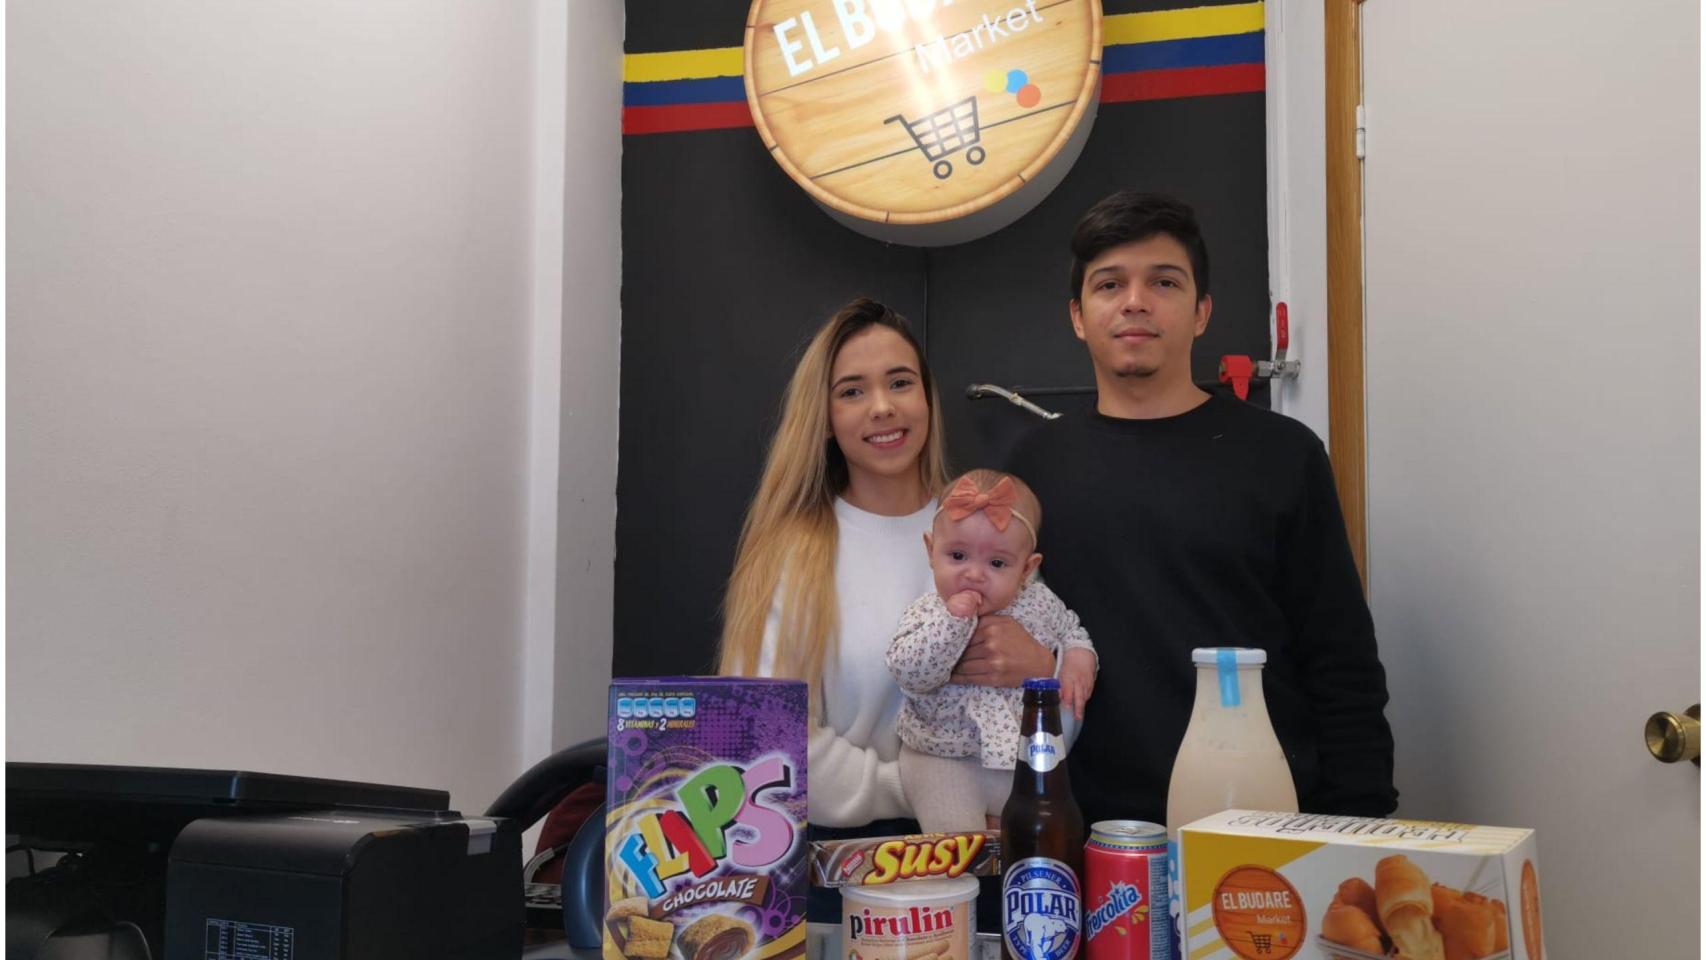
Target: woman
column 831, row 553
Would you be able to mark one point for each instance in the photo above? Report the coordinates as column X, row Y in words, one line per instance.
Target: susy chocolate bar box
column 706, row 855
column 867, row 861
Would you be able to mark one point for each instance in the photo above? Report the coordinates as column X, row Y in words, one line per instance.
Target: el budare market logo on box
column 897, row 114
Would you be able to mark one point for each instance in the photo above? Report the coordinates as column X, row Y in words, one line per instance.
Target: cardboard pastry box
column 1272, row 886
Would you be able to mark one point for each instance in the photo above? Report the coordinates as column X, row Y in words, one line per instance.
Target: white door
column 1532, row 235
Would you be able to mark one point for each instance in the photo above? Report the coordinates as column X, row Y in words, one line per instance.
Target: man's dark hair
column 1129, row 216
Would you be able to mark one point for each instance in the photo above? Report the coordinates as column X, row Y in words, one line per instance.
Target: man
column 1175, row 519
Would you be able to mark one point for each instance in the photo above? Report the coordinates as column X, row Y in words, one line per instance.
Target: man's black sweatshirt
column 1219, row 527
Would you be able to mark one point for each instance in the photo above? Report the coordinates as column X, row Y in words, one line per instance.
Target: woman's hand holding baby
column 1002, row 654
column 1077, row 679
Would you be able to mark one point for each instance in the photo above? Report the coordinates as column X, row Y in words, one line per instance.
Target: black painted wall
column 728, row 268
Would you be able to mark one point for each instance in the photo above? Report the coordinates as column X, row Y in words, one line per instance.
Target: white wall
column 271, row 384
column 592, row 273
column 1297, row 199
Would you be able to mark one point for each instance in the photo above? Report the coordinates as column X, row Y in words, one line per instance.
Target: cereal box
column 1272, row 886
column 705, row 852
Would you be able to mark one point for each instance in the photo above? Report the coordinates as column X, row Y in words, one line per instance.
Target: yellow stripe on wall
column 1119, row 28
column 1181, row 24
column 683, row 64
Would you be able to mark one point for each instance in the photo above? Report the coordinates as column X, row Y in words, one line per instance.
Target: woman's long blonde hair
column 789, row 537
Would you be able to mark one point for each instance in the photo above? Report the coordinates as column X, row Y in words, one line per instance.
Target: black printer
column 345, row 884
column 228, row 865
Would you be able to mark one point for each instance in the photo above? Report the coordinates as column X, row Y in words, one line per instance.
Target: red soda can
column 1125, row 892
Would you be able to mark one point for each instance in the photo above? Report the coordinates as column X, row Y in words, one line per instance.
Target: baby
column 959, row 741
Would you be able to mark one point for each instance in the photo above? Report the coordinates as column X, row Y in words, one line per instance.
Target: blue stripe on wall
column 1190, row 52
column 667, row 92
column 1121, row 58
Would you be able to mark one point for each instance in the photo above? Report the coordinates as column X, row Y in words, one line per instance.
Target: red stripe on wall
column 1116, row 88
column 686, row 116
column 1186, row 82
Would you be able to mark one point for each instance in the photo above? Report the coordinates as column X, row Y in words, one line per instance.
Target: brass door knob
column 1671, row 738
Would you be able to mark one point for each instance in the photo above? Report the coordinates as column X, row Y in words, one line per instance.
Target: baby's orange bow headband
column 996, row 503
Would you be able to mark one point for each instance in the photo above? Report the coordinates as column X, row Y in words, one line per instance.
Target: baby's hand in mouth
column 965, row 603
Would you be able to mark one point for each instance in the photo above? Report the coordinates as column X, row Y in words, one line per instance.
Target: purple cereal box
column 705, row 851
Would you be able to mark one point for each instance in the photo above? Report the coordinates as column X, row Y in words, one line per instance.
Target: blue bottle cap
column 1042, row 683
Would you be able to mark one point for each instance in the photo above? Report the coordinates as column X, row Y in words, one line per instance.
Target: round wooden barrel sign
column 924, row 121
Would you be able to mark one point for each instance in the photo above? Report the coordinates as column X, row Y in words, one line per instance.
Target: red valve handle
column 1237, row 370
column 1282, row 326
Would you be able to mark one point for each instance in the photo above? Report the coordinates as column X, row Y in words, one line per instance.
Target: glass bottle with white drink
column 1230, row 757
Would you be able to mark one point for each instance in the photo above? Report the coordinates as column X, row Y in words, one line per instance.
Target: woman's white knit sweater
column 852, row 759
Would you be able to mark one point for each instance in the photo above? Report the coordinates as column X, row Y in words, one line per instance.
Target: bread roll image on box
column 706, row 856
column 1273, row 886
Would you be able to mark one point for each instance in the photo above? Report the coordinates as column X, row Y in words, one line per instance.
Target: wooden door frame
column 1346, row 422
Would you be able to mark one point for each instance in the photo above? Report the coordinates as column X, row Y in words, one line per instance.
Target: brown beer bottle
column 1042, row 839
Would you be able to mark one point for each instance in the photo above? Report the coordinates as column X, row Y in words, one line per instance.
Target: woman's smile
column 888, row 440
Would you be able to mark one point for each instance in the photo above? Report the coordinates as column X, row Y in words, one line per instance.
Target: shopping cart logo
column 945, row 133
column 906, row 126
